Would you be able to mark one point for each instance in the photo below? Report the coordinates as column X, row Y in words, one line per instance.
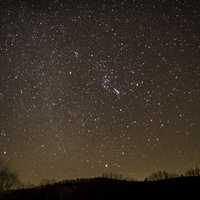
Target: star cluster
column 88, row 87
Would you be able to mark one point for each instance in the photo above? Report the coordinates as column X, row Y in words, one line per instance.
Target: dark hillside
column 103, row 188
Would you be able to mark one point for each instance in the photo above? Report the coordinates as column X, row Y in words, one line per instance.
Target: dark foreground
column 103, row 188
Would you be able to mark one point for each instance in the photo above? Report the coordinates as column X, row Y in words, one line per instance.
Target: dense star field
column 88, row 87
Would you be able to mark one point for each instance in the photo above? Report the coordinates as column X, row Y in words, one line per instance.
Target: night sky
column 88, row 87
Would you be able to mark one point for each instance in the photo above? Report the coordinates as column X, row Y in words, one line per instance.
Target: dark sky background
column 88, row 87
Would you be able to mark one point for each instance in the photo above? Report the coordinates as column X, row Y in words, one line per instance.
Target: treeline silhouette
column 107, row 186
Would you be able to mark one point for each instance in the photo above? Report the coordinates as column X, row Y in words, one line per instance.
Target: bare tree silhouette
column 193, row 172
column 160, row 175
column 8, row 178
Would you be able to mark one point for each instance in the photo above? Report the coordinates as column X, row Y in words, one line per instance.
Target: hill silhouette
column 105, row 188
